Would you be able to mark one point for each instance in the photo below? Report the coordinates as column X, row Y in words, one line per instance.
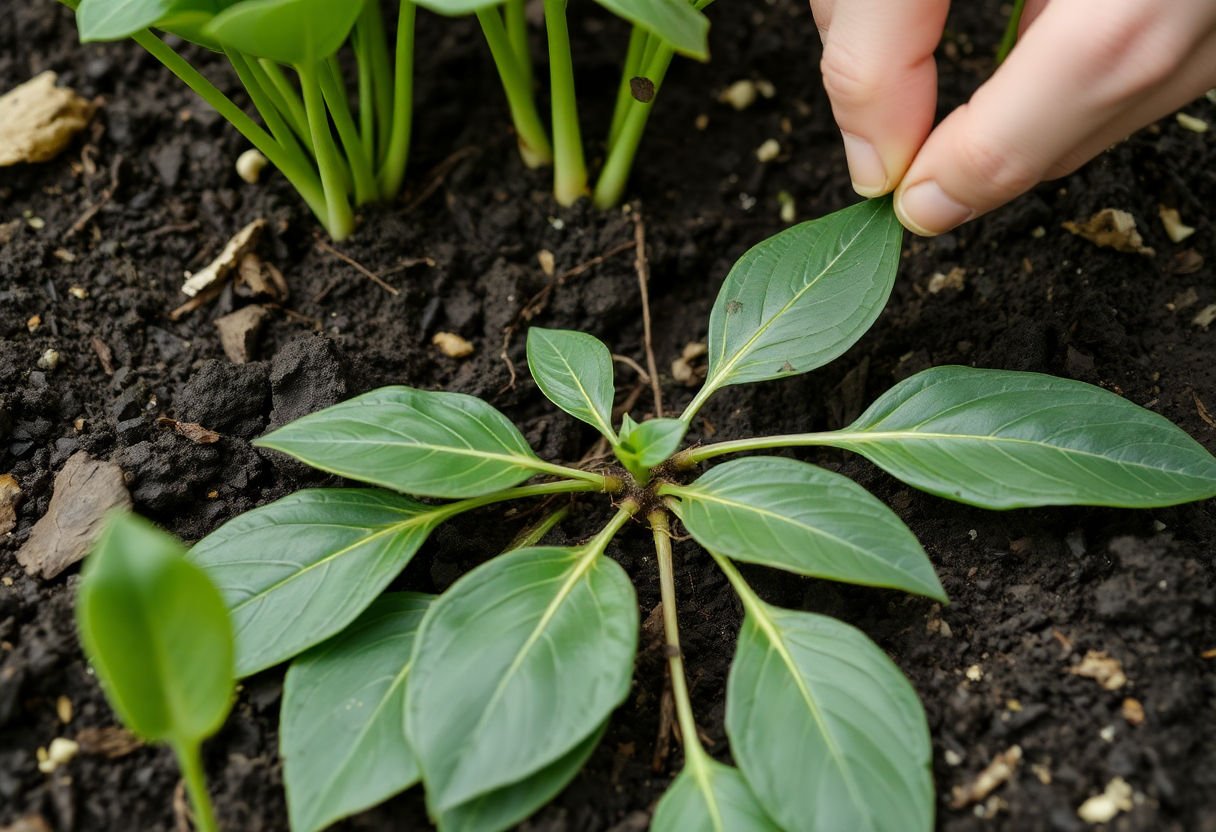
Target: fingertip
column 927, row 210
column 866, row 168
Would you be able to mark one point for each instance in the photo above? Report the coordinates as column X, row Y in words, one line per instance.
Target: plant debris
column 683, row 370
column 1111, row 228
column 10, row 493
column 85, row 491
column 1102, row 668
column 452, row 345
column 239, row 332
column 1205, row 316
column 1132, row 711
column 221, row 267
column 1102, row 808
column 111, row 741
column 1175, row 228
column 193, row 431
column 996, row 774
column 954, row 280
column 39, row 119
column 250, row 164
column 60, row 753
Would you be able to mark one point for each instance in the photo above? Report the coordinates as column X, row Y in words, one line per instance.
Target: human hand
column 1084, row 74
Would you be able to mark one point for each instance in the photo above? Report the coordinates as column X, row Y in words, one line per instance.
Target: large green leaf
column 802, row 297
column 574, row 370
column 287, row 31
column 827, row 731
column 342, row 732
column 795, row 516
column 1001, row 440
column 297, row 571
column 156, row 631
column 100, row 20
column 678, row 22
column 458, row 8
column 425, row 443
column 504, row 807
column 517, row 663
column 710, row 797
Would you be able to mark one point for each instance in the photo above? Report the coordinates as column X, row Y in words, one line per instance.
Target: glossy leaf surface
column 804, row 296
column 100, row 20
column 297, row 571
column 518, row 663
column 795, row 516
column 287, row 31
column 574, row 371
column 458, row 8
column 645, row 445
column 827, row 731
column 157, row 633
column 676, row 21
column 1000, row 439
column 428, row 443
column 342, row 732
column 712, row 797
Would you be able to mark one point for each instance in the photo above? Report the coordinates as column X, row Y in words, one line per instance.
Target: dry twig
column 643, row 269
column 359, row 267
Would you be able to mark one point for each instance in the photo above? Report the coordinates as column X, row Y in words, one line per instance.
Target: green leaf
column 802, row 297
column 1000, row 440
column 712, row 797
column 827, row 731
column 574, row 371
column 341, row 733
column 287, row 31
column 100, row 20
column 503, row 808
column 678, row 22
column 651, row 443
column 794, row 516
column 297, row 571
column 517, row 663
column 458, row 8
column 430, row 444
column 156, row 631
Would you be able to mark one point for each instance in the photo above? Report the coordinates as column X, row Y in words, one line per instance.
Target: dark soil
column 1032, row 591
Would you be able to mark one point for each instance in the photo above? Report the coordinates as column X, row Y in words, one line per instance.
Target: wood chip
column 452, row 345
column 1102, row 808
column 39, row 119
column 221, row 267
column 1175, row 228
column 239, row 332
column 85, row 491
column 10, row 494
column 1102, row 668
column 104, row 355
column 987, row 781
column 193, row 431
column 260, row 280
column 1111, row 228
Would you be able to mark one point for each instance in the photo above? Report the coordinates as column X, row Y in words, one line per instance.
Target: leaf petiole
column 569, row 167
column 534, row 144
column 190, row 760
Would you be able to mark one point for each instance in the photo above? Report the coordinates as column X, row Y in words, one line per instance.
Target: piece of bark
column 223, row 266
column 39, row 119
column 10, row 493
column 239, row 332
column 85, row 491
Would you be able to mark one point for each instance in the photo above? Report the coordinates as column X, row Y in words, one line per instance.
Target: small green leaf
column 341, row 733
column 430, row 444
column 505, row 807
column 574, row 371
column 712, row 797
column 1000, row 440
column 678, row 22
column 802, row 297
column 827, row 731
column 156, row 631
column 297, row 571
column 100, row 20
column 651, row 443
column 287, row 31
column 792, row 515
column 518, row 663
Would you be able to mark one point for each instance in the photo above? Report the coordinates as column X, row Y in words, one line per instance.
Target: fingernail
column 927, row 210
column 865, row 167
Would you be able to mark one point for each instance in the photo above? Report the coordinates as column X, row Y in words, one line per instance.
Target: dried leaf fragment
column 1111, row 228
column 111, row 741
column 994, row 775
column 1102, row 808
column 10, row 493
column 222, row 266
column 954, row 279
column 452, row 345
column 1175, row 228
column 39, row 119
column 193, row 431
column 1205, row 316
column 1102, row 668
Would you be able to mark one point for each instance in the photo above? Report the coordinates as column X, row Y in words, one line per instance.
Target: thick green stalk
column 373, row 55
column 341, row 221
column 534, row 534
column 517, row 31
column 196, row 786
column 534, row 145
column 638, row 39
column 288, row 93
column 272, row 92
column 296, row 170
column 397, row 152
column 615, row 175
column 692, row 456
column 569, row 168
column 264, row 104
column 544, row 489
column 357, row 159
column 367, row 89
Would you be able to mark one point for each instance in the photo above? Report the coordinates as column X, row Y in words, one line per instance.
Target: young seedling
column 661, row 28
column 264, row 40
column 157, row 632
column 494, row 693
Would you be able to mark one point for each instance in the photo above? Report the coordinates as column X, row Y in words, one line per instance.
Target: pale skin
column 1084, row 75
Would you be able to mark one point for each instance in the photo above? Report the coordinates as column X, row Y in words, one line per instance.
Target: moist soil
column 149, row 192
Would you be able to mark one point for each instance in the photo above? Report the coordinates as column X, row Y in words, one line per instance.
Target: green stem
column 544, row 489
column 534, row 145
column 694, row 752
column 638, row 39
column 751, row 601
column 596, row 545
column 690, row 457
column 196, row 786
column 357, row 158
column 366, row 87
column 284, row 107
column 535, row 533
column 569, row 168
column 1010, row 39
column 397, row 151
column 613, row 178
column 290, row 97
column 374, row 44
column 517, row 32
column 264, row 104
column 341, row 220
column 296, row 170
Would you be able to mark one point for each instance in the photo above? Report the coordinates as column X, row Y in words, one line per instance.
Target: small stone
column 975, row 673
column 452, row 345
column 768, row 151
column 60, row 753
column 49, row 360
column 38, row 120
column 1102, row 668
column 33, row 323
column 36, row 223
column 548, row 263
column 701, row 122
column 954, row 280
column 239, row 332
column 1133, row 711
column 1205, row 316
column 78, row 292
column 789, row 210
column 10, row 493
column 765, row 88
column 1107, row 734
column 63, row 709
column 740, row 95
column 249, row 166
column 1102, row 808
column 953, row 758
column 1190, row 122
column 987, row 781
